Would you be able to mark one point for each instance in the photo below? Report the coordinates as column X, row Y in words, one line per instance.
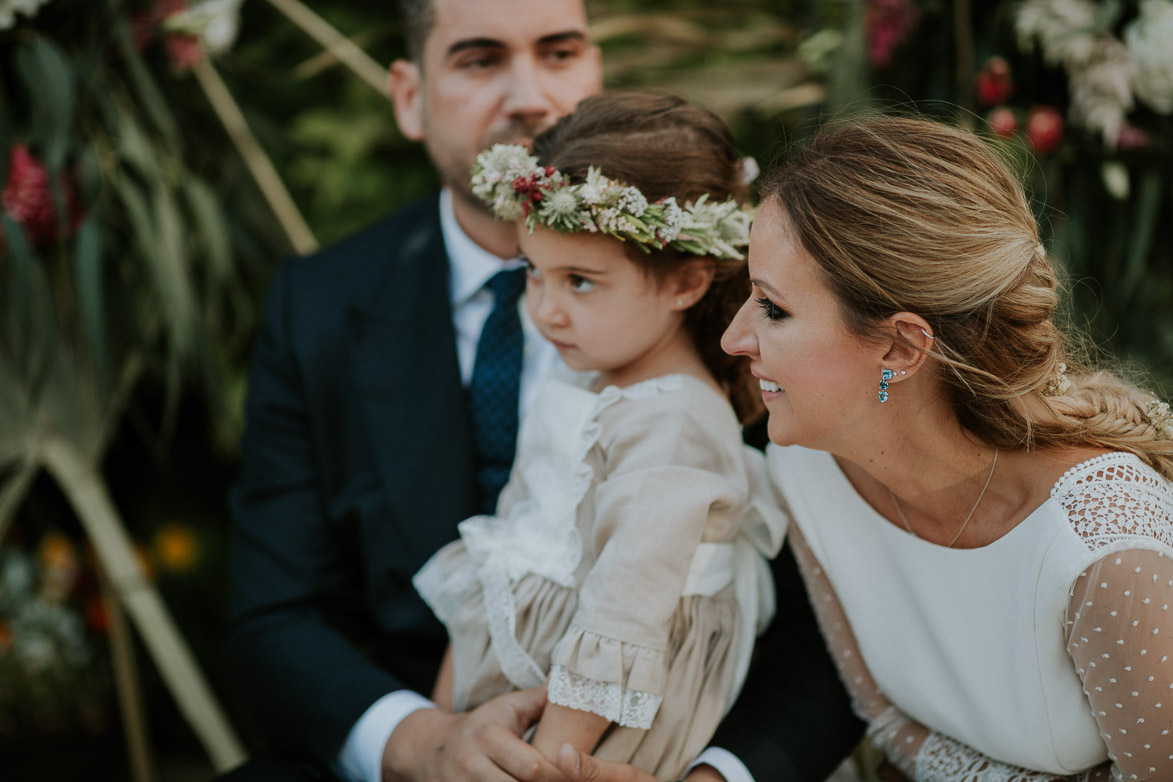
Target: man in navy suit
column 358, row 459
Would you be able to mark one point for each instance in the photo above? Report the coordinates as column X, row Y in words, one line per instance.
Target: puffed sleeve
column 674, row 476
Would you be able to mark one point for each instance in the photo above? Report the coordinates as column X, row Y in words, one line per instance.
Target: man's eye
column 772, row 310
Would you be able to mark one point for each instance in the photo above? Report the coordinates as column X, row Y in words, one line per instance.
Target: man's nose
column 526, row 96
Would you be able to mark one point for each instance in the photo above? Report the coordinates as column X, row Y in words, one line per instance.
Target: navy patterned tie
column 496, row 380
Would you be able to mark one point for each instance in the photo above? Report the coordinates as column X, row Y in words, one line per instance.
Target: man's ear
column 407, row 94
column 909, row 343
column 691, row 282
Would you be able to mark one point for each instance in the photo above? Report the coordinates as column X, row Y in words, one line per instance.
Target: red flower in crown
column 28, row 200
column 532, row 185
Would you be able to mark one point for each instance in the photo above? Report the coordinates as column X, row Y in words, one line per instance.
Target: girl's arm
column 562, row 725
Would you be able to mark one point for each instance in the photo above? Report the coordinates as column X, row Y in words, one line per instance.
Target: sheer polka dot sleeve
column 1120, row 636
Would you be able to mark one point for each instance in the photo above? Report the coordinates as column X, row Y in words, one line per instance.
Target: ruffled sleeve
column 674, row 476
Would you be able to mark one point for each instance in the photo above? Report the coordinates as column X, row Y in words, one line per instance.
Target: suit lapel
column 409, row 379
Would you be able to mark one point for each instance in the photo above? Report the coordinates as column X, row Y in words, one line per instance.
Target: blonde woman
column 987, row 533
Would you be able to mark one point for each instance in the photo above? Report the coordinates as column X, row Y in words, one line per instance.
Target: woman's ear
column 691, row 282
column 909, row 343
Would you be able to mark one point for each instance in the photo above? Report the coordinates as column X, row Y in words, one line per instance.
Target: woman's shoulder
column 1113, row 497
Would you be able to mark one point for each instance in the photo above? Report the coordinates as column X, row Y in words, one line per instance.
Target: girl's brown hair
column 907, row 214
column 666, row 147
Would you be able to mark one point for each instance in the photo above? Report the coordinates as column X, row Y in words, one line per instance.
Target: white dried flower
column 673, row 220
column 1065, row 28
column 1101, row 89
column 215, row 22
column 1161, row 417
column 1150, row 42
column 10, row 8
column 1059, row 383
column 632, row 201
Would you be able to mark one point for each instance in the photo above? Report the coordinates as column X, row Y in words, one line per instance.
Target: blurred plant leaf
column 91, row 299
column 152, row 100
column 48, row 79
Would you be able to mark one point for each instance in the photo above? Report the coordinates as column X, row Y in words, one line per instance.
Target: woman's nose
column 738, row 339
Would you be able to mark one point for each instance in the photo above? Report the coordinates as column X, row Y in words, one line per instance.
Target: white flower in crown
column 673, row 220
column 632, row 201
column 561, row 210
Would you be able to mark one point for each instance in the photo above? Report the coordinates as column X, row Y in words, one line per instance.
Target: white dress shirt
column 469, row 267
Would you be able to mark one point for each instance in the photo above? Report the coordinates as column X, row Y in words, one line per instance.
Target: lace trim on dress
column 610, row 700
column 1116, row 497
column 941, row 759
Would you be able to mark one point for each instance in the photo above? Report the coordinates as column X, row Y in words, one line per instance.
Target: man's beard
column 516, row 132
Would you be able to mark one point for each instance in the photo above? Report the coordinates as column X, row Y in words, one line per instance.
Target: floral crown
column 509, row 179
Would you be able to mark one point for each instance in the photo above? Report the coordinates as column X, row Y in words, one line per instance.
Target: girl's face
column 601, row 311
column 819, row 382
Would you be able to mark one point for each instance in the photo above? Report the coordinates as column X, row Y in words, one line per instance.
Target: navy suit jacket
column 357, row 467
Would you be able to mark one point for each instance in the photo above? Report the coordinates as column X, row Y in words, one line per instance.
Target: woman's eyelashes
column 772, row 310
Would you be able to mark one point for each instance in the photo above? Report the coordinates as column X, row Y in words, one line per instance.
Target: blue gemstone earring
column 885, row 376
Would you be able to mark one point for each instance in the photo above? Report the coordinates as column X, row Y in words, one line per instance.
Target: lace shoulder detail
column 1116, row 497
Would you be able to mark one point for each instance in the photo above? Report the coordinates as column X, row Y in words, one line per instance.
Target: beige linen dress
column 627, row 561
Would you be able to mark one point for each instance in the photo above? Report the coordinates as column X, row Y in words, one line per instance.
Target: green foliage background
column 133, row 334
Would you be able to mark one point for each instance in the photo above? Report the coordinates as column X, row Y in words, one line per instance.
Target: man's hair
column 418, row 19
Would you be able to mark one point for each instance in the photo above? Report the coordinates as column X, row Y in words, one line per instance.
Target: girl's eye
column 531, row 270
column 772, row 310
column 580, row 284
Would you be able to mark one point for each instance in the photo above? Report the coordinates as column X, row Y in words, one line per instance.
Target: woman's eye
column 772, row 310
column 580, row 284
column 531, row 270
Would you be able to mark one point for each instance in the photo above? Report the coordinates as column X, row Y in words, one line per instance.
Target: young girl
column 626, row 561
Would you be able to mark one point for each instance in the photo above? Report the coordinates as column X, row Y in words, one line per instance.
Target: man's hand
column 579, row 767
column 483, row 744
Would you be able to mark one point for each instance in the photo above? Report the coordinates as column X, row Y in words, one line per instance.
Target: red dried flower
column 1003, row 122
column 1044, row 129
column 28, row 200
column 888, row 24
column 993, row 83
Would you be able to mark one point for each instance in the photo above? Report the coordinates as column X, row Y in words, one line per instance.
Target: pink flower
column 993, row 83
column 1003, row 122
column 888, row 23
column 28, row 200
column 183, row 49
column 1132, row 137
column 1044, row 129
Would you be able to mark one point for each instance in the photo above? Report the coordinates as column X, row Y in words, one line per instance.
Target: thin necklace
column 976, row 502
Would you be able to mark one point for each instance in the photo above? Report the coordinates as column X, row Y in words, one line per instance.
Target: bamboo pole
column 342, row 48
column 130, row 695
column 86, row 492
column 259, row 165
